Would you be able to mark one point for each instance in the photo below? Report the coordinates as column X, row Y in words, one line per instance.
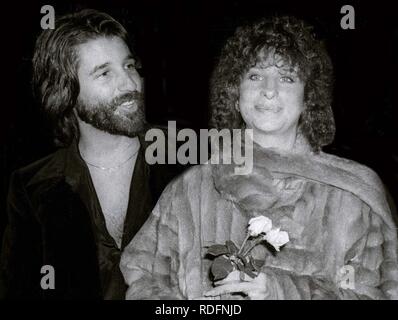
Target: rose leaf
column 221, row 267
column 217, row 250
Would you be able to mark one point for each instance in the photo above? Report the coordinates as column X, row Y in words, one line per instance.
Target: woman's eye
column 103, row 74
column 255, row 77
column 287, row 79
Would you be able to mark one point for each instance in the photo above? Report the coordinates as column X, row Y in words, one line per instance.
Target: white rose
column 277, row 238
column 258, row 225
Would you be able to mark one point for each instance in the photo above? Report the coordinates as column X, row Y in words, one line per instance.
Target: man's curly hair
column 295, row 42
column 55, row 65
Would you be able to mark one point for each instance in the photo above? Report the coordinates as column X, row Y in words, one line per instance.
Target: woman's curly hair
column 55, row 63
column 294, row 41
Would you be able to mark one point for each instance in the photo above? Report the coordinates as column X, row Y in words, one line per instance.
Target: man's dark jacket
column 55, row 219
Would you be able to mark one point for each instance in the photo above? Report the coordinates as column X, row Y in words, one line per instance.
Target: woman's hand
column 255, row 289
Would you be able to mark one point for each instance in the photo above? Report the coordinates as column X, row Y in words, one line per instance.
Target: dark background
column 179, row 43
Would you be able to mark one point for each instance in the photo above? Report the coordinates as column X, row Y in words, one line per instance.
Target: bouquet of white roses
column 229, row 257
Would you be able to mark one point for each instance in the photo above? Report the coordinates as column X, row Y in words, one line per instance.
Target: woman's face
column 271, row 98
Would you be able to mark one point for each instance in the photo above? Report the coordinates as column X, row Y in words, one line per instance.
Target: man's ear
column 76, row 115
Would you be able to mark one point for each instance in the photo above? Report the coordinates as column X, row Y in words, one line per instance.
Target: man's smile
column 128, row 105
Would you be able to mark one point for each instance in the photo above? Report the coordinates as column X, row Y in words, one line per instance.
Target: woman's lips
column 273, row 109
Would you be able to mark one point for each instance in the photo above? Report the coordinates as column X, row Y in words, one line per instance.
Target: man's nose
column 128, row 82
column 270, row 88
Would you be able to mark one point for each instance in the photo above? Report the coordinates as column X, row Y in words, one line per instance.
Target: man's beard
column 106, row 117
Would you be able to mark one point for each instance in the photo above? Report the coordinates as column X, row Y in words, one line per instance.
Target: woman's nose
column 269, row 89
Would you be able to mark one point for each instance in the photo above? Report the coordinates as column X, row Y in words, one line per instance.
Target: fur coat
column 334, row 210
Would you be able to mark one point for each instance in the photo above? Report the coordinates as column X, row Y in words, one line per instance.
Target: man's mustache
column 129, row 96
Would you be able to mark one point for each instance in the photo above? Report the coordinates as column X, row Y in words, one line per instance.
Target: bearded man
column 76, row 209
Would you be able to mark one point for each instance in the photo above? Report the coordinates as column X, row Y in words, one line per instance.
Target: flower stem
column 256, row 242
column 244, row 242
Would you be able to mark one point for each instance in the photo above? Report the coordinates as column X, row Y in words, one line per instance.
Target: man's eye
column 135, row 66
column 287, row 79
column 255, row 77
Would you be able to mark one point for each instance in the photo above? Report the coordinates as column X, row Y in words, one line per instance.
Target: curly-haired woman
column 275, row 78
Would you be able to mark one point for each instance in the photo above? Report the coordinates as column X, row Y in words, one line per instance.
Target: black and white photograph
column 199, row 150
